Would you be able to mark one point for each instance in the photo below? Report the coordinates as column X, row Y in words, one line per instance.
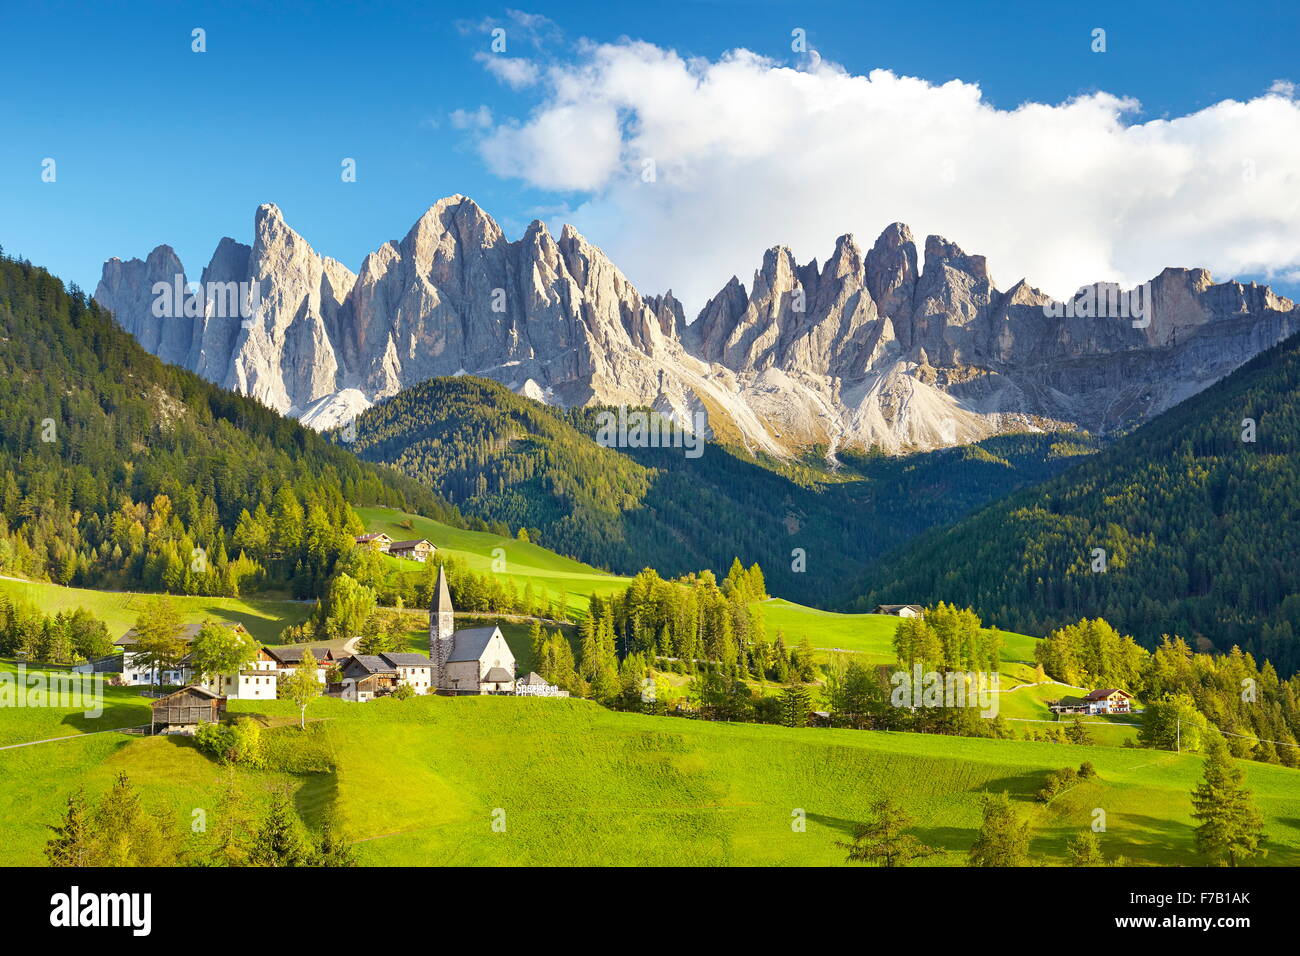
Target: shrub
column 1057, row 782
column 238, row 743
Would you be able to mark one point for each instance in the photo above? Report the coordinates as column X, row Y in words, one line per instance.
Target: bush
column 237, row 743
column 1058, row 781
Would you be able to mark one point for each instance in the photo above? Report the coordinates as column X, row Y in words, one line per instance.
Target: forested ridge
column 1197, row 515
column 119, row 471
column 510, row 460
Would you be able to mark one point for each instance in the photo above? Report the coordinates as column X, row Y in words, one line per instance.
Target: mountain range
column 881, row 348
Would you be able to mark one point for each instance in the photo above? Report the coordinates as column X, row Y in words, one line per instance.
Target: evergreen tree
column 1231, row 829
column 1085, row 849
column 1003, row 838
column 73, row 840
column 278, row 841
column 796, row 704
column 884, row 840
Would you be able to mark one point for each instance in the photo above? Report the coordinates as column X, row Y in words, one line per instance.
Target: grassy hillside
column 550, row 574
column 264, row 618
column 418, row 782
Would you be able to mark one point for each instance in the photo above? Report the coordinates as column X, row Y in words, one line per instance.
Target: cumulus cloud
column 748, row 153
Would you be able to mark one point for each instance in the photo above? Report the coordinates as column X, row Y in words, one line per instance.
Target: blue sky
column 155, row 143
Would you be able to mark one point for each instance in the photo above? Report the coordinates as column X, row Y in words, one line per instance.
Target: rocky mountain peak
column 865, row 350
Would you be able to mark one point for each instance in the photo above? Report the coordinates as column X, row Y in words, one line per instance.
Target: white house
column 367, row 676
column 252, row 684
column 900, row 610
column 377, row 540
column 137, row 670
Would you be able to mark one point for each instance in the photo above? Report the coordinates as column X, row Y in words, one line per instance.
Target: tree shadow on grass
column 115, row 716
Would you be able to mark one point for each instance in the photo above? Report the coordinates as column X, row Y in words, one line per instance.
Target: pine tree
column 279, row 840
column 72, row 843
column 333, row 850
column 1003, row 838
column 1085, row 849
column 795, row 705
column 884, row 840
column 1231, row 829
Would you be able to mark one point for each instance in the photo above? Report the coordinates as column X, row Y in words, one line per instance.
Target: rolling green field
column 872, row 635
column 264, row 618
column 122, row 707
column 421, row 782
column 550, row 574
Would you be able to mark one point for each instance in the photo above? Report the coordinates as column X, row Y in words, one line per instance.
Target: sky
column 682, row 138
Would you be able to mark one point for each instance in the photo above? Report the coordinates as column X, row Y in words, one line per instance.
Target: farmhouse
column 475, row 660
column 1108, row 701
column 900, row 610
column 254, row 683
column 367, row 676
column 137, row 670
column 416, row 550
column 288, row 656
column 182, row 712
column 377, row 540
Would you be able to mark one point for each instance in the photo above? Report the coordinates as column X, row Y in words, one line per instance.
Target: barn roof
column 293, row 653
column 193, row 690
column 407, row 545
column 371, row 663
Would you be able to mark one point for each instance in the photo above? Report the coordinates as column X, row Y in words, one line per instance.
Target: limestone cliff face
column 881, row 348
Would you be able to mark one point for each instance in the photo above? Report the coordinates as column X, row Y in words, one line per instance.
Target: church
column 473, row 660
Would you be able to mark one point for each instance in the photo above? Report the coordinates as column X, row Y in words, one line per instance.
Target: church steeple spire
column 442, row 626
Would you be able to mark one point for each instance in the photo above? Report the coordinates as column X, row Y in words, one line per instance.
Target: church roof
column 468, row 644
column 442, row 600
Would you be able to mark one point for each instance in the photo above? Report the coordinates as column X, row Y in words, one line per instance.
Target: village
column 468, row 661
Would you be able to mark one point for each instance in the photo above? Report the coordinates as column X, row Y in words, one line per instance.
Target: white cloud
column 750, row 154
column 480, row 118
column 516, row 72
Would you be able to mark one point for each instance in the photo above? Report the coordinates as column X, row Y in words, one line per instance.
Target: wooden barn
column 181, row 712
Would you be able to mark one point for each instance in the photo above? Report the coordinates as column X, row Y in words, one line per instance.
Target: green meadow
column 264, row 618
column 872, row 636
column 518, row 781
column 550, row 574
